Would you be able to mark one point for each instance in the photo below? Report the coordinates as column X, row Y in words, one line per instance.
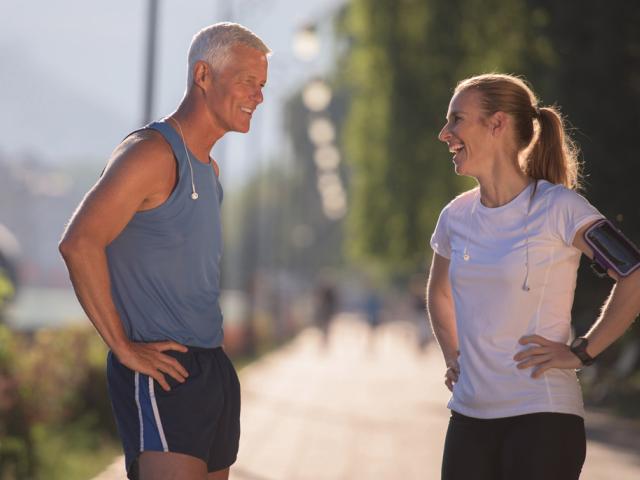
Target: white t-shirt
column 493, row 310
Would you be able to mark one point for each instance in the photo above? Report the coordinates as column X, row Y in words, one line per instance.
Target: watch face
column 579, row 348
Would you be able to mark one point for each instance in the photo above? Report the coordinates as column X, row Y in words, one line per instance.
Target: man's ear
column 498, row 122
column 201, row 74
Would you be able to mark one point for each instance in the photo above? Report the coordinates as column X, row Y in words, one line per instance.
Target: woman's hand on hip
column 545, row 354
column 452, row 373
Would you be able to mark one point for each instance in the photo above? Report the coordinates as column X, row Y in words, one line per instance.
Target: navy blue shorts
column 200, row 417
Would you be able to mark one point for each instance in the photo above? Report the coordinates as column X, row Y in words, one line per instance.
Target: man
column 143, row 252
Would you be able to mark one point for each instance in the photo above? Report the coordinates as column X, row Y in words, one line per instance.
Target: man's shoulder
column 145, row 147
column 146, row 142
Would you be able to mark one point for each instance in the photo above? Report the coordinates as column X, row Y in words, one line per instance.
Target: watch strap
column 579, row 349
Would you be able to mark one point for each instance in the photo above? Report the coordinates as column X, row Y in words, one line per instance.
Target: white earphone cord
column 525, row 285
column 465, row 253
column 194, row 194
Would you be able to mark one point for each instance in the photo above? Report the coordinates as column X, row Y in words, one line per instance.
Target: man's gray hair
column 213, row 45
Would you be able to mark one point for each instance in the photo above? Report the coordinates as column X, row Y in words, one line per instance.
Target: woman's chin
column 459, row 168
column 464, row 172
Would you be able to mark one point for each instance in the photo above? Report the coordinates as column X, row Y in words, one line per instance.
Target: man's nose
column 257, row 96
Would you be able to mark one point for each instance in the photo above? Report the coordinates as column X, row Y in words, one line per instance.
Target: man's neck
column 196, row 126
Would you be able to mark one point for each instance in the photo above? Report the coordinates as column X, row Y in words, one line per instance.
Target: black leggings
column 537, row 446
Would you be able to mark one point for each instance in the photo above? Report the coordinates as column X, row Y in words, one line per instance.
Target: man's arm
column 140, row 175
column 442, row 315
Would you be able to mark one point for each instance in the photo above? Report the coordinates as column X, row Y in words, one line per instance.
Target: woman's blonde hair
column 553, row 156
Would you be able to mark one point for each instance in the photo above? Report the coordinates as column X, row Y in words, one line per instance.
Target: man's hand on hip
column 149, row 359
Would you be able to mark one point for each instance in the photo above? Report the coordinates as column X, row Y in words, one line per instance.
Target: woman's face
column 467, row 133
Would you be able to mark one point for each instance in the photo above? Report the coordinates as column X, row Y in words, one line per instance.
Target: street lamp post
column 150, row 56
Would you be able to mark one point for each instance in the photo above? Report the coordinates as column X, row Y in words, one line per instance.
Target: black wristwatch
column 579, row 349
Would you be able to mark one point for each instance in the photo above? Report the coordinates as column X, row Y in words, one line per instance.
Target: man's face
column 236, row 90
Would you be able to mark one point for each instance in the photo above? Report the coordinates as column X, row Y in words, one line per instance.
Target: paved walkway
column 369, row 407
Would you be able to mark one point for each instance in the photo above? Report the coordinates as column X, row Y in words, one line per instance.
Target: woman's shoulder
column 463, row 200
column 559, row 196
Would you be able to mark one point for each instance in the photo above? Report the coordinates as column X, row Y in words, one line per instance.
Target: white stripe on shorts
column 152, row 394
column 137, row 392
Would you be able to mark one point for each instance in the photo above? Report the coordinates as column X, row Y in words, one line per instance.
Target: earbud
column 194, row 195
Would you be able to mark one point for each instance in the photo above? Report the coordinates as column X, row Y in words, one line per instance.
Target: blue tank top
column 165, row 264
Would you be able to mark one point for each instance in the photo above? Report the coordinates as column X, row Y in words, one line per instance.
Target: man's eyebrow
column 253, row 77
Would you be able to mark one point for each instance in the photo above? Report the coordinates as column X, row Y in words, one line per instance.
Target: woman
column 501, row 288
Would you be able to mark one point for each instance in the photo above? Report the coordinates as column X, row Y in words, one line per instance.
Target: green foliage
column 596, row 81
column 75, row 451
column 7, row 288
column 405, row 58
column 55, row 415
column 17, row 454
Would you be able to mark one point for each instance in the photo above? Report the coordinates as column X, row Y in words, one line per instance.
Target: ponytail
column 550, row 155
column 553, row 156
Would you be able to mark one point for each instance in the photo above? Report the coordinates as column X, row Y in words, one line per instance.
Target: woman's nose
column 444, row 133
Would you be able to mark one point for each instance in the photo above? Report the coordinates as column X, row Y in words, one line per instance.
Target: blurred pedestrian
column 502, row 283
column 372, row 306
column 325, row 308
column 143, row 251
column 419, row 307
column 373, row 309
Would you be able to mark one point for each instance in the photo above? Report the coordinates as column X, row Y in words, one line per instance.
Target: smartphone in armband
column 611, row 250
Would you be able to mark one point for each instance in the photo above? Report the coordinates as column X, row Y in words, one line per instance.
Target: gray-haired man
column 143, row 252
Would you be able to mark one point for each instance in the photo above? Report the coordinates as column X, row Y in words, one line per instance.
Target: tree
column 596, row 79
column 405, row 57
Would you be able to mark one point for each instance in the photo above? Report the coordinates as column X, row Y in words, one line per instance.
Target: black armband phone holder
column 611, row 250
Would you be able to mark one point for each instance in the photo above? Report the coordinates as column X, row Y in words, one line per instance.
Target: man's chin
column 242, row 128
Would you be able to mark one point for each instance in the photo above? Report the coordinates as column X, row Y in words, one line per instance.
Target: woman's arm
column 620, row 309
column 442, row 316
column 618, row 312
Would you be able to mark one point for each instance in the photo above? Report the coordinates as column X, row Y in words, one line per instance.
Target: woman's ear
column 498, row 123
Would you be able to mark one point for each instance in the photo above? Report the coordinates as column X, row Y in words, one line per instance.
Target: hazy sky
column 71, row 83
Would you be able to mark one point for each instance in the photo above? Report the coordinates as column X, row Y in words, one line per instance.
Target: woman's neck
column 502, row 185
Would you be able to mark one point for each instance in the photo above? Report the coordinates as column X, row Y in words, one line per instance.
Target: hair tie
column 536, row 112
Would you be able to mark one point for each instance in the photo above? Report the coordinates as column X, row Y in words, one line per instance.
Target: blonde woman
column 501, row 288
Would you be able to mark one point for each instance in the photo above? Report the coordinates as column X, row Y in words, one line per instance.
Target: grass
column 73, row 452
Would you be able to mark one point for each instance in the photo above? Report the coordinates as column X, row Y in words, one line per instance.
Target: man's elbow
column 71, row 245
column 66, row 247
